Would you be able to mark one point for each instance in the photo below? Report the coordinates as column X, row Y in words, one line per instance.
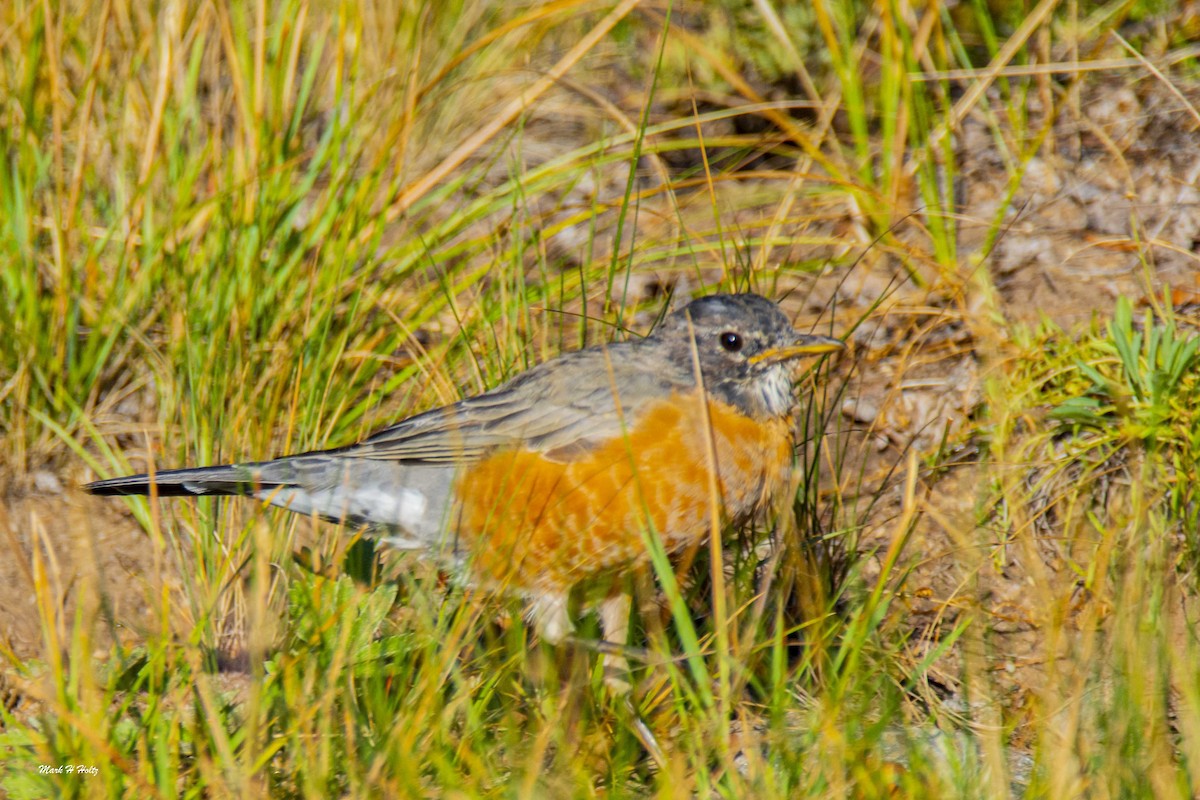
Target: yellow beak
column 805, row 345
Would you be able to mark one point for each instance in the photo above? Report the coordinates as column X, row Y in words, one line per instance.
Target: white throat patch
column 776, row 390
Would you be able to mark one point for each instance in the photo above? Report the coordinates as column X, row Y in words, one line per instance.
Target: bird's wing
column 562, row 408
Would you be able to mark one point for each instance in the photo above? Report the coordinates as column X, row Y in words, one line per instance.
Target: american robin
column 557, row 476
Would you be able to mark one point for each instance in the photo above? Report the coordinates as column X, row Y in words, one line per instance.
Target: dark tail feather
column 225, row 480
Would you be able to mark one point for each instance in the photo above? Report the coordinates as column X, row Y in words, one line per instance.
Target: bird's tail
column 394, row 496
column 230, row 479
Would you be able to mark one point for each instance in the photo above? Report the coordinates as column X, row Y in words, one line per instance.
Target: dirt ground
column 1122, row 168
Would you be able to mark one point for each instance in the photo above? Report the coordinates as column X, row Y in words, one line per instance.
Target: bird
column 556, row 478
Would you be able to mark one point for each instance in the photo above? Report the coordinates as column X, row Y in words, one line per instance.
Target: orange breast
column 531, row 523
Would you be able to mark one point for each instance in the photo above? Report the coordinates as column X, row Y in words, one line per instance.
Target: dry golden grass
column 232, row 232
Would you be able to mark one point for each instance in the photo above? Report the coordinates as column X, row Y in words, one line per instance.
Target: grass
column 233, row 232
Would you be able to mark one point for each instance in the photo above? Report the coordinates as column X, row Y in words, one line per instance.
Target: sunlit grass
column 231, row 235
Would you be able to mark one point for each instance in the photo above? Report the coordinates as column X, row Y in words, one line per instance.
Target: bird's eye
column 731, row 341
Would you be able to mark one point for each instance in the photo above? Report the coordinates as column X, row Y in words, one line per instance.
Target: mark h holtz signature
column 68, row 769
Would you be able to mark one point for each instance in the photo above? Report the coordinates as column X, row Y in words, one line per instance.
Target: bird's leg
column 548, row 612
column 614, row 627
